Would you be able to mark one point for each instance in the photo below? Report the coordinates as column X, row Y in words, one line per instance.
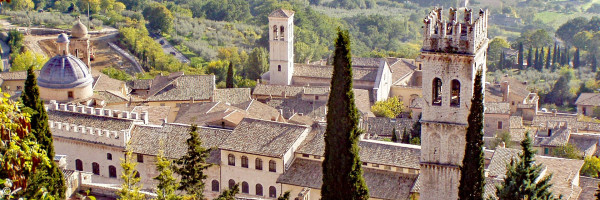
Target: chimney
column 505, row 90
column 145, row 117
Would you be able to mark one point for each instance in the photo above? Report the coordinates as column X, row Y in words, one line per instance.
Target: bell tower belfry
column 452, row 53
column 281, row 47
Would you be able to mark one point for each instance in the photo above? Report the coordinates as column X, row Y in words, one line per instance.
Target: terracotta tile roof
column 559, row 137
column 516, row 87
column 382, row 184
column 156, row 114
column 383, row 126
column 95, row 121
column 497, row 108
column 366, row 62
column 281, row 13
column 110, row 97
column 316, row 110
column 181, row 88
column 516, row 121
column 18, row 75
column 203, row 113
column 141, row 84
column 232, row 95
column 362, row 100
column 261, row 137
column 564, row 171
column 171, row 138
column 316, row 90
column 586, row 143
column 490, row 187
column 589, row 186
column 277, row 90
column 417, row 186
column 385, row 153
column 400, row 68
column 105, row 83
column 302, row 120
column 259, row 110
column 588, row 99
column 318, row 71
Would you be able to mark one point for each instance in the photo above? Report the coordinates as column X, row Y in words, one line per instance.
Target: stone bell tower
column 452, row 53
column 80, row 43
column 281, row 47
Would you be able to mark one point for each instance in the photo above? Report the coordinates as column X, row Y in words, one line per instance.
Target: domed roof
column 62, row 38
column 79, row 30
column 64, row 71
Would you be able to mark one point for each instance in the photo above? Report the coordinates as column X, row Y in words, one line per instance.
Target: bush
column 116, row 74
column 390, row 108
column 591, row 167
column 567, row 151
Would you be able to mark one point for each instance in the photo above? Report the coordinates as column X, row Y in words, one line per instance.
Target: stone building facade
column 452, row 53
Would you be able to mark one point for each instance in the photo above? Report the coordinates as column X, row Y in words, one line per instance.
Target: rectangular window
column 140, row 158
column 317, row 157
column 500, row 125
column 316, row 97
column 364, row 163
column 305, row 155
column 70, row 94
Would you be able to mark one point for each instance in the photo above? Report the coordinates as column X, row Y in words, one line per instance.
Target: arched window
column 244, row 162
column 275, row 33
column 215, row 185
column 278, row 68
column 437, row 92
column 272, row 192
column 281, row 36
column 96, row 168
column 258, row 164
column 272, row 166
column 259, row 190
column 78, row 165
column 455, row 93
column 108, row 156
column 231, row 183
column 245, row 188
column 231, row 159
column 112, row 171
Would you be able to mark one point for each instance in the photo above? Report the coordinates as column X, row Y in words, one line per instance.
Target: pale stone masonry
column 452, row 53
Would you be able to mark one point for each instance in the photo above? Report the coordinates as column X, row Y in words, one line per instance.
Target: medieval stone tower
column 281, row 47
column 80, row 43
column 452, row 53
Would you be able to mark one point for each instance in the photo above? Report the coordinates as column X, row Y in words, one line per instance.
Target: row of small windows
column 258, row 164
column 278, row 33
column 112, row 170
column 246, row 188
column 437, row 93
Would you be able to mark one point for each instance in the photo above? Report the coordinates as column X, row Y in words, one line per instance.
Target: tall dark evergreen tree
column 597, row 195
column 394, row 136
column 49, row 177
column 471, row 172
column 520, row 56
column 540, row 64
column 229, row 81
column 342, row 171
column 594, row 64
column 558, row 56
column 415, row 132
column 191, row 166
column 405, row 137
column 568, row 56
column 530, row 57
column 536, row 60
column 576, row 60
column 521, row 176
column 555, row 53
column 548, row 58
column 501, row 61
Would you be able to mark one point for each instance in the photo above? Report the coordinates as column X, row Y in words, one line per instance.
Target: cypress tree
column 594, row 64
column 530, row 57
column 405, row 137
column 520, row 56
column 521, row 176
column 536, row 60
column 394, row 137
column 471, row 172
column 191, row 166
column 555, row 53
column 540, row 64
column 558, row 56
column 342, row 171
column 576, row 61
column 568, row 61
column 229, row 81
column 415, row 132
column 548, row 58
column 49, row 177
column 597, row 195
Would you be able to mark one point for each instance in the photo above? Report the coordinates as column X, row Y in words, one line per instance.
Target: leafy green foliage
column 390, row 108
column 116, row 73
column 561, row 92
column 342, row 171
column 227, row 10
column 230, row 193
column 284, row 196
column 229, row 81
column 49, row 176
column 24, row 60
column 394, row 136
column 167, row 184
column 471, row 172
column 415, row 132
column 258, row 63
column 130, row 188
column 521, row 176
column 191, row 166
column 591, row 167
column 159, row 18
column 567, row 151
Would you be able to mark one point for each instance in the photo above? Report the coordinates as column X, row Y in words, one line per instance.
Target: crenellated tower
column 281, row 47
column 452, row 53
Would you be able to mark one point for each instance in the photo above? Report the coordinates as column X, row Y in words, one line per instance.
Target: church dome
column 64, row 71
column 79, row 30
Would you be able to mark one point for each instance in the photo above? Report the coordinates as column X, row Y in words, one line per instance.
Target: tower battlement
column 453, row 36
